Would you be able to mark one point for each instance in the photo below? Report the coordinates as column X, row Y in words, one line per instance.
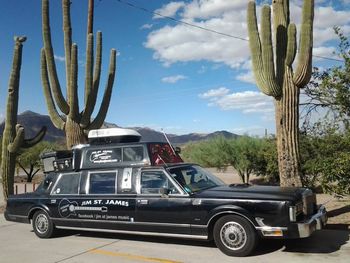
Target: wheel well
column 216, row 217
column 33, row 211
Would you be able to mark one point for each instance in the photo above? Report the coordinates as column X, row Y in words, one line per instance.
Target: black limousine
column 119, row 184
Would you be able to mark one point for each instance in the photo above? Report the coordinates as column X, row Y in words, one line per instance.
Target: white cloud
column 214, row 93
column 247, row 101
column 211, row 8
column 60, row 58
column 247, row 77
column 173, row 79
column 169, row 10
column 181, row 43
column 254, row 129
column 146, row 26
column 325, row 52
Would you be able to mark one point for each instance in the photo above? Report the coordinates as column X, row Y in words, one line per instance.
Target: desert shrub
column 242, row 153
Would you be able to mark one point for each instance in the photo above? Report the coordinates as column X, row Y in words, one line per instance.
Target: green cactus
column 275, row 76
column 13, row 136
column 75, row 123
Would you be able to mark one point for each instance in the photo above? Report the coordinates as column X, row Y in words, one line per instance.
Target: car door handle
column 142, row 202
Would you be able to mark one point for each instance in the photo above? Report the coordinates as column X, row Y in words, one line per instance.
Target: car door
column 157, row 211
column 110, row 206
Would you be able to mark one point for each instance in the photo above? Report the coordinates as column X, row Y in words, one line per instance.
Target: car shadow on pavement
column 321, row 242
column 339, row 211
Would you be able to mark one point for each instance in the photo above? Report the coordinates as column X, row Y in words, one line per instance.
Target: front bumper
column 298, row 229
column 316, row 222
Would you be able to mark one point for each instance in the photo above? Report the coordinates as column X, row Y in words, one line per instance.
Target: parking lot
column 19, row 244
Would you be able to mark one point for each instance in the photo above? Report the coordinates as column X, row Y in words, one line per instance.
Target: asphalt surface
column 19, row 244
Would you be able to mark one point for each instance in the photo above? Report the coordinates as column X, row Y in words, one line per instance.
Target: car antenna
column 162, row 160
column 166, row 137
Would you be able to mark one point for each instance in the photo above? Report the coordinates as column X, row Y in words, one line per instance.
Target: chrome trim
column 316, row 222
column 124, row 222
column 136, row 232
column 292, row 213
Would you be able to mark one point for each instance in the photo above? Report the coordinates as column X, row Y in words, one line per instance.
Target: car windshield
column 194, row 178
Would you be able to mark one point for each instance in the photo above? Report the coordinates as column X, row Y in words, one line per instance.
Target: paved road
column 19, row 244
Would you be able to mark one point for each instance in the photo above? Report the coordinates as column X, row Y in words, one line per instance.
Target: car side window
column 68, row 184
column 153, row 181
column 102, row 182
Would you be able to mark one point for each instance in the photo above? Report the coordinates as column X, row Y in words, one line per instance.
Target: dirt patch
column 338, row 211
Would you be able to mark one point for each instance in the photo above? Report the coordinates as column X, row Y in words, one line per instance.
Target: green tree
column 210, row 153
column 330, row 88
column 325, row 155
column 29, row 160
column 242, row 153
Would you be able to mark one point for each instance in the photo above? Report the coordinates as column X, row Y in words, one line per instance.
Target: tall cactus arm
column 56, row 89
column 91, row 99
column 256, row 50
column 267, row 52
column 89, row 66
column 18, row 140
column 67, row 31
column 90, row 23
column 27, row 143
column 280, row 29
column 73, row 85
column 286, row 11
column 89, row 50
column 291, row 45
column 57, row 120
column 101, row 115
column 303, row 71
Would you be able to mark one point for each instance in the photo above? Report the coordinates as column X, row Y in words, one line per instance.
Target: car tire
column 42, row 224
column 235, row 236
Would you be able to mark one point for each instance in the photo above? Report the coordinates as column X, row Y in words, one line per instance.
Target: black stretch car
column 145, row 188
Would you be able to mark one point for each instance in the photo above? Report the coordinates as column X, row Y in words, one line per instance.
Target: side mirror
column 164, row 191
column 178, row 150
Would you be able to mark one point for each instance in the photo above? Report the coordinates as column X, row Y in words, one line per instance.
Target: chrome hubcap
column 233, row 235
column 41, row 223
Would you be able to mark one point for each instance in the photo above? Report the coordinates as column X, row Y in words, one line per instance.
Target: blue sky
column 169, row 75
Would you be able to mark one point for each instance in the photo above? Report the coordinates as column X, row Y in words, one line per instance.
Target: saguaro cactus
column 75, row 123
column 275, row 76
column 13, row 136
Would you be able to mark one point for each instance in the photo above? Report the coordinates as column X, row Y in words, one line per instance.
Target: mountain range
column 33, row 122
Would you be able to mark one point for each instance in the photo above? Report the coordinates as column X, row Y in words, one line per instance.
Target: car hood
column 256, row 192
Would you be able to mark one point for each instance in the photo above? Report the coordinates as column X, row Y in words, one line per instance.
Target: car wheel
column 235, row 236
column 42, row 225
